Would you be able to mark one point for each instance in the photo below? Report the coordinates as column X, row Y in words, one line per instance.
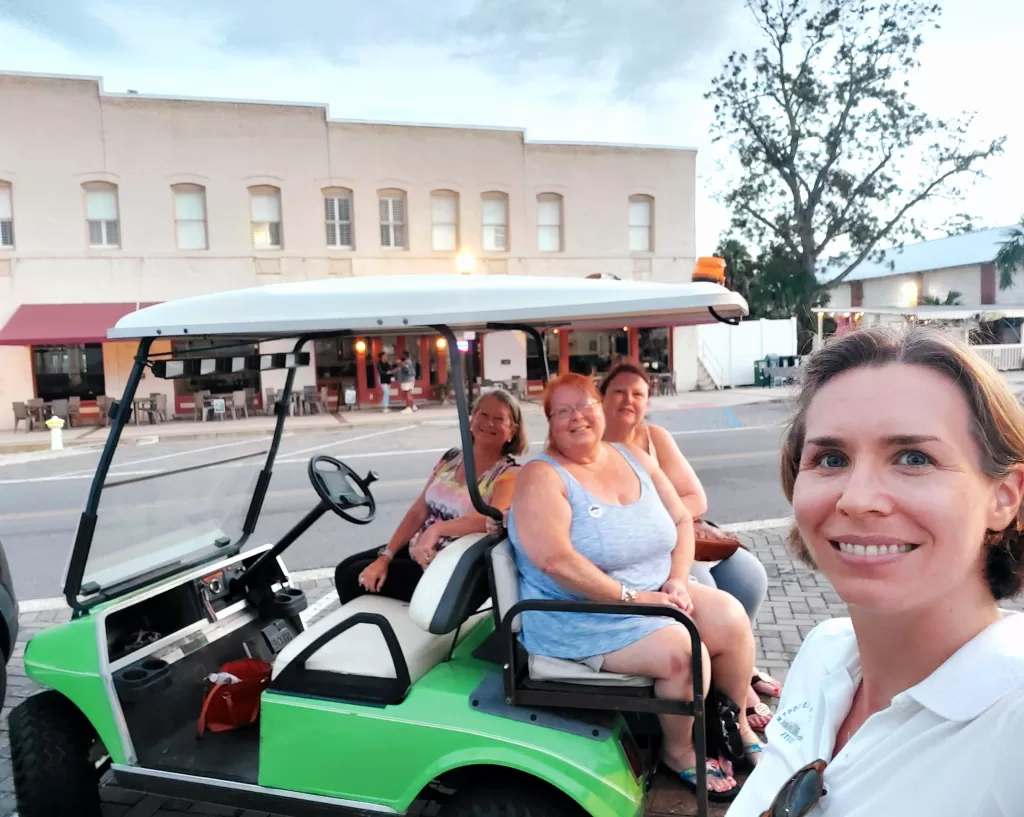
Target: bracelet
column 385, row 553
column 628, row 594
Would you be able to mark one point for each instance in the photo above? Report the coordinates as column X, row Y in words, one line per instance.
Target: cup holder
column 288, row 601
column 143, row 679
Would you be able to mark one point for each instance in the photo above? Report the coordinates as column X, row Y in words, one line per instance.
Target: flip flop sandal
column 688, row 777
column 750, row 751
column 763, row 711
column 766, row 685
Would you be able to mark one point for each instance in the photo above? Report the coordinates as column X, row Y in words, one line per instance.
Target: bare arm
column 413, row 519
column 682, row 554
column 679, row 472
column 542, row 521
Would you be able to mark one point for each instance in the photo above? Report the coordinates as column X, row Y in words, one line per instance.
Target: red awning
column 44, row 324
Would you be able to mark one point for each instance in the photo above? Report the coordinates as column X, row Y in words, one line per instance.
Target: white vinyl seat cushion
column 543, row 667
column 362, row 650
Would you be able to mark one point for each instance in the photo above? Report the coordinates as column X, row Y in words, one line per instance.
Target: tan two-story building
column 111, row 201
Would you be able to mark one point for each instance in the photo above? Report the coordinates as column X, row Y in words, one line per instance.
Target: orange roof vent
column 710, row 268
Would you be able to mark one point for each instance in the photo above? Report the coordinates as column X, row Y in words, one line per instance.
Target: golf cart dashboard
column 196, row 606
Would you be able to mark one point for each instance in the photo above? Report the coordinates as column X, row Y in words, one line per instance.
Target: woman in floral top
column 444, row 511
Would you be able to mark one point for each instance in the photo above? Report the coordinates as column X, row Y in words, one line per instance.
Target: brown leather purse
column 712, row 544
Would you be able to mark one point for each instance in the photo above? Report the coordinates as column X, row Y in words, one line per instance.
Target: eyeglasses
column 564, row 412
column 802, row 792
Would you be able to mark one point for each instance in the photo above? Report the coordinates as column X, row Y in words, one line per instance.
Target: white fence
column 728, row 352
column 1004, row 356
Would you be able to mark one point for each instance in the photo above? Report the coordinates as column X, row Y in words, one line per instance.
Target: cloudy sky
column 589, row 70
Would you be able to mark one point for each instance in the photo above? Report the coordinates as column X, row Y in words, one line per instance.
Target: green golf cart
column 382, row 704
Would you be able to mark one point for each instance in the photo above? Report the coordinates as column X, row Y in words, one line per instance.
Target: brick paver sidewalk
column 797, row 600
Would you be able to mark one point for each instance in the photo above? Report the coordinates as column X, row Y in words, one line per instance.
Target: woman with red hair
column 599, row 521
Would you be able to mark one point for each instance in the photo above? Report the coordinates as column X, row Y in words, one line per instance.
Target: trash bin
column 760, row 375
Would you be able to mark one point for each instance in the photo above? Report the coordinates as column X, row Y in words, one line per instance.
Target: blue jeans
column 741, row 575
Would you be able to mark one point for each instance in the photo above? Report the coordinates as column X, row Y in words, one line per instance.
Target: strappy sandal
column 752, row 750
column 763, row 683
column 762, row 711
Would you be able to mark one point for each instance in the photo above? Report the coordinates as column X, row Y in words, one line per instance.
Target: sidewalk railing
column 711, row 364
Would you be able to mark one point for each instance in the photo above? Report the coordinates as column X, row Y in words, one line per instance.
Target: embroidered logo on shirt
column 595, row 511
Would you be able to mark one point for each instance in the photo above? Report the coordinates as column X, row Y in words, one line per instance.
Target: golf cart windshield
column 148, row 515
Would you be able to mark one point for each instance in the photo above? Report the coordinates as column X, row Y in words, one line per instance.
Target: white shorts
column 406, row 386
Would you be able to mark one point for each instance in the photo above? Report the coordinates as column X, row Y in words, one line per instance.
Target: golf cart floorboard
column 232, row 755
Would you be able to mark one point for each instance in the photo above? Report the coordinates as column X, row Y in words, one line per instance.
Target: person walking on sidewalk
column 406, row 381
column 385, row 372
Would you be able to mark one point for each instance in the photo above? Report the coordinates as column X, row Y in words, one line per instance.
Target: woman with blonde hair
column 443, row 511
column 905, row 468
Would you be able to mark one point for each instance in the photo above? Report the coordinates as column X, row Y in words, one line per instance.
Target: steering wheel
column 335, row 488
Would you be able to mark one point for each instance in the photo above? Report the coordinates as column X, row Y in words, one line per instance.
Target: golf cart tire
column 507, row 803
column 50, row 745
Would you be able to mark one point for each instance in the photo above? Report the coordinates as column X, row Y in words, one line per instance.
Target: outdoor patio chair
column 158, row 410
column 37, row 408
column 103, row 404
column 74, row 411
column 59, row 408
column 270, row 402
column 21, row 412
column 239, row 404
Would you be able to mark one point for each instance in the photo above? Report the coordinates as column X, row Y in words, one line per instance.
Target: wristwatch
column 387, row 554
column 628, row 594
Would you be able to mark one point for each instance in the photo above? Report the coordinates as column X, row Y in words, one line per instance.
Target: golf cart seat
column 375, row 648
column 536, row 680
column 543, row 667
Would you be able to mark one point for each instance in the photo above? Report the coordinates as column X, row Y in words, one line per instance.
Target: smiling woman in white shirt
column 905, row 468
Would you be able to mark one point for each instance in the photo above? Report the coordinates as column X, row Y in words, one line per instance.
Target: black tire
column 3, row 679
column 50, row 747
column 507, row 803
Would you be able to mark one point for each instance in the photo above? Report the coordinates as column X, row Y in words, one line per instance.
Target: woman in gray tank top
column 625, row 392
column 595, row 521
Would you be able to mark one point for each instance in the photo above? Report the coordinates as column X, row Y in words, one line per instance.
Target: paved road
column 734, row 450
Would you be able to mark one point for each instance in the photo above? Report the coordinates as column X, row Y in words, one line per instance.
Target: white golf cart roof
column 405, row 304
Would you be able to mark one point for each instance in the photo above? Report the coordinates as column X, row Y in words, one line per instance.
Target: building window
column 444, row 213
column 640, row 212
column 190, row 216
column 338, row 218
column 266, row 218
column 392, row 219
column 101, row 213
column 549, row 222
column 495, row 218
column 69, row 371
column 6, row 216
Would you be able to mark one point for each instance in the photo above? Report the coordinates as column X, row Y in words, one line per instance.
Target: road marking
column 349, row 440
column 169, row 456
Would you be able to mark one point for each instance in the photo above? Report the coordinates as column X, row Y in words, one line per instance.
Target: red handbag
column 232, row 705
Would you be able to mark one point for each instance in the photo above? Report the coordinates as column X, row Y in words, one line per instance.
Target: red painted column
column 563, row 351
column 633, row 336
column 426, row 392
column 362, row 390
column 442, row 361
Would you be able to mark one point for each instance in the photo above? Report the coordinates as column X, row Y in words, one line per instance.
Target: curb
column 321, row 573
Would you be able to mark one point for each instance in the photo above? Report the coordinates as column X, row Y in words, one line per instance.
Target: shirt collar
column 977, row 675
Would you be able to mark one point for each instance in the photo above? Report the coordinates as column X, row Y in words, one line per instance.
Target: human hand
column 373, row 576
column 423, row 547
column 493, row 526
column 678, row 589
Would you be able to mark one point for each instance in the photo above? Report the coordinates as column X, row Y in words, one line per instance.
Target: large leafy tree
column 833, row 156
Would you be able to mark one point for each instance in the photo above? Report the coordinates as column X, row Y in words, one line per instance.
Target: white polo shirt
column 951, row 746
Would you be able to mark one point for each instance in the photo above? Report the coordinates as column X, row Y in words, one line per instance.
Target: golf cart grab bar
column 467, row 439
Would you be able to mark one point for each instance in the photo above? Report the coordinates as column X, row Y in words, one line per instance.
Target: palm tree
column 952, row 299
column 1011, row 255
